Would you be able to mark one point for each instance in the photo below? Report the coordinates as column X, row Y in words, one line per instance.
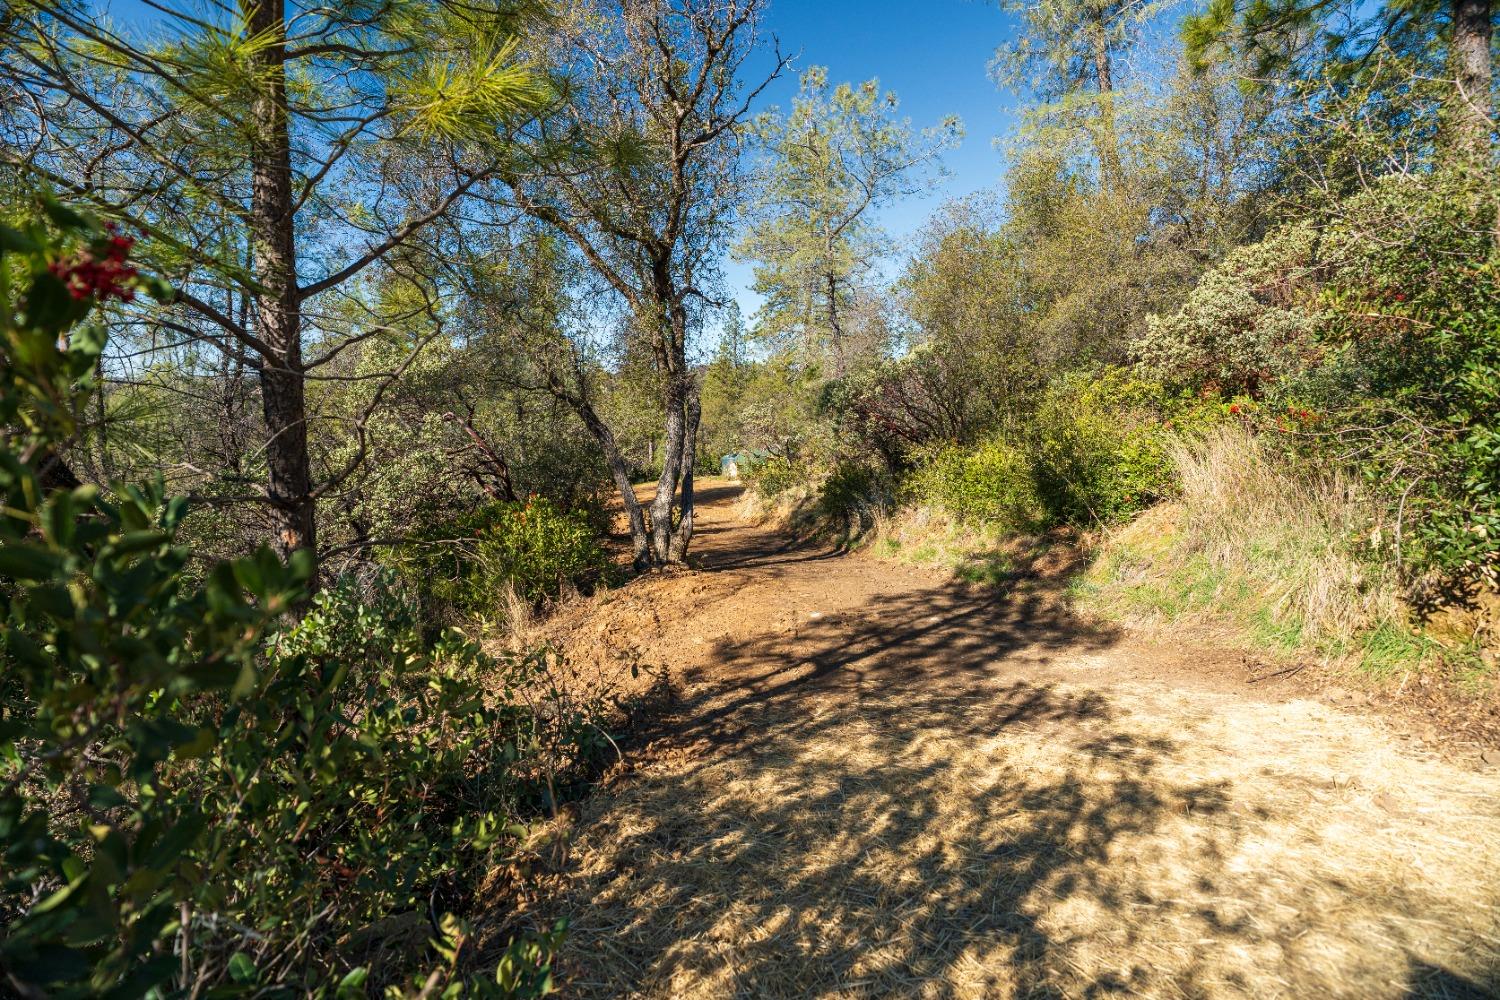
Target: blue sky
column 933, row 54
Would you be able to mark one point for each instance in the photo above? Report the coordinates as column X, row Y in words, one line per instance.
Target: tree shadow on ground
column 855, row 857
column 1433, row 981
column 881, row 804
column 942, row 643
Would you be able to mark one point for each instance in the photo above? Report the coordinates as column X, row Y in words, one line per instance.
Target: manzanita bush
column 1370, row 341
column 202, row 793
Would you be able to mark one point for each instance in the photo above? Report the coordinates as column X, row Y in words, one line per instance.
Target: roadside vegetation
column 335, row 343
column 1264, row 397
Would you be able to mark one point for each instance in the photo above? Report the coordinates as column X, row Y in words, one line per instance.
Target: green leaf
column 65, row 217
column 28, row 562
column 15, row 241
column 242, row 969
column 59, row 897
column 105, row 797
column 51, row 964
column 178, row 838
column 352, row 986
column 26, row 652
column 199, row 745
column 138, row 541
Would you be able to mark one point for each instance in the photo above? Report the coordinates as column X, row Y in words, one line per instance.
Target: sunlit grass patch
column 975, row 552
column 1269, row 553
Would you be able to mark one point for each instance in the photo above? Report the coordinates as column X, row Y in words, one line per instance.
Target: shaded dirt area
column 875, row 781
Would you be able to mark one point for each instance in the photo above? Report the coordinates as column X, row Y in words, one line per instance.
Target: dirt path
column 878, row 782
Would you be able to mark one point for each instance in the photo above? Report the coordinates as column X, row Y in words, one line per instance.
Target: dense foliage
column 533, row 547
column 1372, row 341
column 199, row 790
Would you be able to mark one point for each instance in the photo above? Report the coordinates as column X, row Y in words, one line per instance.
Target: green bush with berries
column 210, row 785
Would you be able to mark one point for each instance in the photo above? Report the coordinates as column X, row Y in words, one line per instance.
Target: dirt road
column 879, row 782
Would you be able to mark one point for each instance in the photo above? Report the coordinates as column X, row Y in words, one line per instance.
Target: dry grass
column 929, row 536
column 1252, row 542
column 1051, row 841
column 916, row 536
column 881, row 785
column 792, row 511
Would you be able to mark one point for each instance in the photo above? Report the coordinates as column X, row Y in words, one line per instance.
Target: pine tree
column 269, row 158
column 839, row 154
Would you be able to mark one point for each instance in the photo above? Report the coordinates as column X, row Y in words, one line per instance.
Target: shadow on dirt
column 881, row 872
column 938, row 644
column 1426, row 980
column 911, row 801
column 881, row 857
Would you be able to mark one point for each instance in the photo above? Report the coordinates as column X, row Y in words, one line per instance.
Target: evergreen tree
column 270, row 156
column 839, row 154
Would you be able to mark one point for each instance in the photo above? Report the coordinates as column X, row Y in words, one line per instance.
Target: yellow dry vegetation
column 1050, row 840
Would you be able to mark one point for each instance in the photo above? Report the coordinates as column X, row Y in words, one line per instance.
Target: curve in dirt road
column 880, row 782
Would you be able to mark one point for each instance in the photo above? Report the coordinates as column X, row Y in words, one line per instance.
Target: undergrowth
column 974, row 551
column 221, row 783
column 1284, row 559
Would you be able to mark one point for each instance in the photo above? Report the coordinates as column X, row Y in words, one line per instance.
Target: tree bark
column 1472, row 29
column 277, row 302
column 1107, row 141
column 683, row 536
column 620, row 473
column 499, row 467
column 834, row 324
column 675, row 407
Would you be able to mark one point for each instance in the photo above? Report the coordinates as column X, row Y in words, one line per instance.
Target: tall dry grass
column 1283, row 550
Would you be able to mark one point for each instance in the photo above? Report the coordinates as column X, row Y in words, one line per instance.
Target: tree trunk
column 671, row 469
column 1472, row 28
column 618, row 471
column 683, row 536
column 1107, row 140
column 834, row 324
column 277, row 305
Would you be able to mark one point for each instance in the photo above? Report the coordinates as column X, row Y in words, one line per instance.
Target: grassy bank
column 1251, row 547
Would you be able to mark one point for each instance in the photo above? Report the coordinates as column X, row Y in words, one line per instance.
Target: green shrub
column 852, row 496
column 991, row 482
column 1248, row 323
column 463, row 565
column 1419, row 307
column 1099, row 445
column 776, row 475
column 368, row 770
column 197, row 798
column 1381, row 323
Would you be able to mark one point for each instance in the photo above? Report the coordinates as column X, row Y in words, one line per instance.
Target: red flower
column 86, row 275
column 1234, row 407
